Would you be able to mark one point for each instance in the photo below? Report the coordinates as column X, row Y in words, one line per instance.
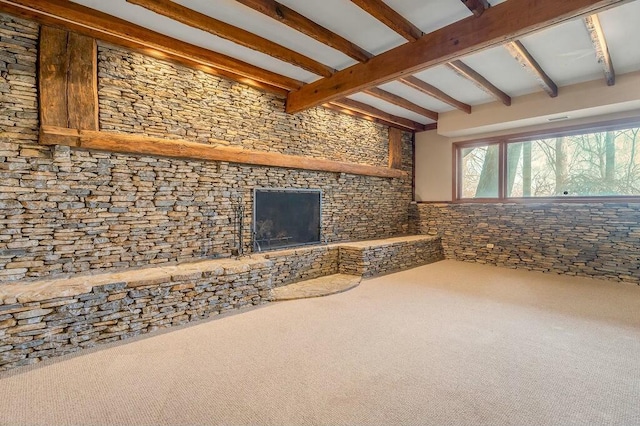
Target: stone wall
column 597, row 239
column 69, row 211
column 60, row 317
column 303, row 263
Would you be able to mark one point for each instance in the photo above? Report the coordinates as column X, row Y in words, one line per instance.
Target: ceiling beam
column 367, row 117
column 505, row 22
column 434, row 92
column 600, row 45
column 377, row 113
column 298, row 22
column 392, row 19
column 482, row 83
column 102, row 26
column 527, row 61
column 401, row 102
column 232, row 33
column 477, row 7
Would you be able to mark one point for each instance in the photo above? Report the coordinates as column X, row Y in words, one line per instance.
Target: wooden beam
column 434, row 92
column 352, row 113
column 144, row 145
column 395, row 148
column 477, row 7
column 392, row 19
column 67, row 77
column 524, row 58
column 298, row 22
column 52, row 77
column 502, row 23
column 600, row 45
column 83, row 82
column 401, row 102
column 482, row 83
column 377, row 113
column 195, row 19
column 93, row 23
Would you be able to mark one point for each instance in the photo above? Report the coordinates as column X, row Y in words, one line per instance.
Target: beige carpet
column 445, row 344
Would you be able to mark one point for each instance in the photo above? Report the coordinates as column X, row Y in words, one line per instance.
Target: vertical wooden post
column 395, row 148
column 68, row 76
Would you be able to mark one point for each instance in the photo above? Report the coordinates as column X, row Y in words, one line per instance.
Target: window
column 601, row 163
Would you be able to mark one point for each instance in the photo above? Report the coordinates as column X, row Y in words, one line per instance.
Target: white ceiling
column 565, row 51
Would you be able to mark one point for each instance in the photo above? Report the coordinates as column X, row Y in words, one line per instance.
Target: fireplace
column 286, row 217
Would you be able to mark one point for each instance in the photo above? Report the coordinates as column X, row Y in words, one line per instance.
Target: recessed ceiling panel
column 351, row 22
column 234, row 13
column 415, row 96
column 171, row 28
column 565, row 52
column 503, row 71
column 430, row 15
column 390, row 108
column 620, row 26
column 454, row 85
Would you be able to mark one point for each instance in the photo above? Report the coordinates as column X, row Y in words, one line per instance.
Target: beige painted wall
column 433, row 167
column 584, row 103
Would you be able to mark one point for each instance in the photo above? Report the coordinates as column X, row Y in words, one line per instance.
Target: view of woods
column 593, row 164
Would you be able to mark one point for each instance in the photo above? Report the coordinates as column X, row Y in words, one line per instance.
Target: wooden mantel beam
column 500, row 24
column 482, row 83
column 524, row 58
column 145, row 145
column 87, row 21
column 392, row 19
column 600, row 45
column 298, row 22
column 195, row 19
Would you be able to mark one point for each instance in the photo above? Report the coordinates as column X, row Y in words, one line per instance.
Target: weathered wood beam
column 477, row 7
column 300, row 23
column 502, row 23
column 600, row 45
column 527, row 61
column 378, row 113
column 392, row 19
column 482, row 83
column 395, row 148
column 83, row 20
column 434, row 92
column 67, row 78
column 401, row 102
column 198, row 20
column 352, row 113
column 144, row 145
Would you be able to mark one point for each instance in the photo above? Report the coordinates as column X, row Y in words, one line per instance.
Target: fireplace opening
column 286, row 217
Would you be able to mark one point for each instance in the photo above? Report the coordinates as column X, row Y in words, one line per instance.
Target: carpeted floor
column 445, row 344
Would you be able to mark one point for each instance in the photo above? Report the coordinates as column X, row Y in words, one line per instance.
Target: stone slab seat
column 37, row 291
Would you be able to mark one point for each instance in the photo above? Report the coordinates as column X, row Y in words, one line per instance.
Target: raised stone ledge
column 38, row 291
column 44, row 319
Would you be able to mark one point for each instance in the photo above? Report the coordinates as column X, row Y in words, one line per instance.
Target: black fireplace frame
column 257, row 247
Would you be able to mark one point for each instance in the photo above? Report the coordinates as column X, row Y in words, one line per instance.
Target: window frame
column 504, row 140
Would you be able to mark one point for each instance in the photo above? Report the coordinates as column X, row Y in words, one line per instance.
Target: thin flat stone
column 317, row 287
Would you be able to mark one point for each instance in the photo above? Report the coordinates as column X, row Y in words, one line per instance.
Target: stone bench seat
column 37, row 291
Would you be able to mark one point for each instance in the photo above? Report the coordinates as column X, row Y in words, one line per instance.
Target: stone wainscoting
column 44, row 319
column 600, row 240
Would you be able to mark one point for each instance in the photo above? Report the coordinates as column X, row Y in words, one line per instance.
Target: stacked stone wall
column 303, row 263
column 69, row 211
column 596, row 240
column 371, row 258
